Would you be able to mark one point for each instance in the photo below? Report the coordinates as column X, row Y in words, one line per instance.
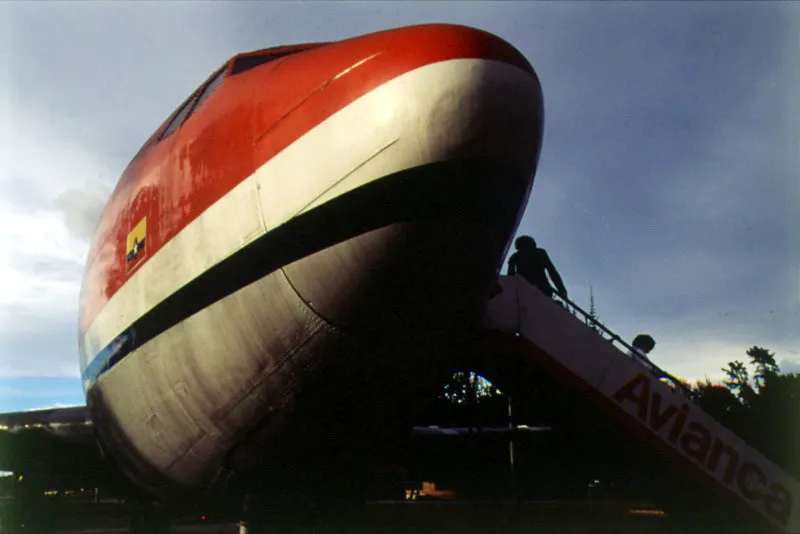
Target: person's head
column 525, row 242
column 644, row 342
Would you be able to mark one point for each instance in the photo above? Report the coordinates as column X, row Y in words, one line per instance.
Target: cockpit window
column 213, row 84
column 178, row 119
column 195, row 101
column 244, row 63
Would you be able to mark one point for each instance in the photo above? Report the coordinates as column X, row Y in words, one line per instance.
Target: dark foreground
column 567, row 517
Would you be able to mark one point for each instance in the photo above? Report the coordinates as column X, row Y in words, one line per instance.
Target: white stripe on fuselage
column 449, row 110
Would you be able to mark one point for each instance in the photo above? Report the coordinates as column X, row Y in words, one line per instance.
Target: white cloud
column 52, row 407
column 34, row 237
column 82, row 207
column 51, row 190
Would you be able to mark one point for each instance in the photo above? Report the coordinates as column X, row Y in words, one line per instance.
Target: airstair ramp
column 646, row 399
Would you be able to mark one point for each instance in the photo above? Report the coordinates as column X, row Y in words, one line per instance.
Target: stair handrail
column 632, row 353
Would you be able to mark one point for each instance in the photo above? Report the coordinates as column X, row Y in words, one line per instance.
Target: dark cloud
column 665, row 177
column 668, row 177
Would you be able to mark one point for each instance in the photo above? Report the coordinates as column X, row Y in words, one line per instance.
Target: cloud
column 18, row 394
column 42, row 265
column 789, row 366
column 667, row 179
column 81, row 208
column 52, row 186
column 36, row 344
column 52, row 407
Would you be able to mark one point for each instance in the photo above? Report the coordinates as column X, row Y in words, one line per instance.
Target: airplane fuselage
column 284, row 262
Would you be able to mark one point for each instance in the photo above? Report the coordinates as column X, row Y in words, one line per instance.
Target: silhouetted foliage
column 467, row 386
column 764, row 363
column 465, row 399
column 764, row 411
column 739, row 381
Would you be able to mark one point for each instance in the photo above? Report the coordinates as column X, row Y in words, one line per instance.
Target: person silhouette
column 641, row 347
column 534, row 265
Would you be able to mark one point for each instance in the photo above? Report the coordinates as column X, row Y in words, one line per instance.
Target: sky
column 669, row 179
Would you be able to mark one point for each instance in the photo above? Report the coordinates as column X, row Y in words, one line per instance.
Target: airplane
column 290, row 260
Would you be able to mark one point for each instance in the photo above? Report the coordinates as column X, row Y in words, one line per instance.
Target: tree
column 767, row 415
column 718, row 401
column 764, row 363
column 468, row 399
column 465, row 385
column 773, row 415
column 739, row 381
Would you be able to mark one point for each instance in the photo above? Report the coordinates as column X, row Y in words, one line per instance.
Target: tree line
column 760, row 404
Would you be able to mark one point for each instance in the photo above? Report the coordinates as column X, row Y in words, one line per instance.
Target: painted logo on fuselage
column 137, row 241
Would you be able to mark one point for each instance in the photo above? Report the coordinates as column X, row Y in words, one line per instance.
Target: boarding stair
column 562, row 338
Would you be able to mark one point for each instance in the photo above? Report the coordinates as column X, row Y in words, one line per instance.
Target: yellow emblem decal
column 136, row 241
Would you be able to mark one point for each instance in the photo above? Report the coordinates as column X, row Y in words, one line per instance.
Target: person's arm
column 555, row 277
column 512, row 265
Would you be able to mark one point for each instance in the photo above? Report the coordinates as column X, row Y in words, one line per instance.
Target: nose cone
column 440, row 42
column 433, row 170
column 458, row 91
column 401, row 99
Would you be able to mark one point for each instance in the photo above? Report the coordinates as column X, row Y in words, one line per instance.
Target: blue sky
column 668, row 178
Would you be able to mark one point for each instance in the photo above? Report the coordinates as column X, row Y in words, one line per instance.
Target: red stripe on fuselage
column 249, row 119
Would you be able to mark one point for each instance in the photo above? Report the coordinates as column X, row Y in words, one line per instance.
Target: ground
column 564, row 517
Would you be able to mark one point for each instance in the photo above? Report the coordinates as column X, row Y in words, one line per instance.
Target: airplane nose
column 477, row 95
column 479, row 108
column 396, row 100
column 439, row 165
column 479, row 101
